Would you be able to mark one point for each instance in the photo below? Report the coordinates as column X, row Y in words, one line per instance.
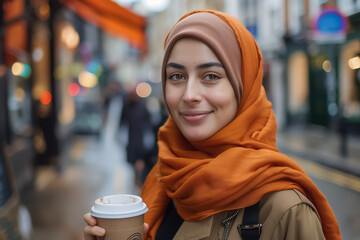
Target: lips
column 194, row 116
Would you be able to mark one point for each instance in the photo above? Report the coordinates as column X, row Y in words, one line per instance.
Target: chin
column 196, row 137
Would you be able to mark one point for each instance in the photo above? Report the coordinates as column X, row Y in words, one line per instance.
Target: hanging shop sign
column 329, row 26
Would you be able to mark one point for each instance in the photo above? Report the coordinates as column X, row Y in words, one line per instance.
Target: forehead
column 191, row 49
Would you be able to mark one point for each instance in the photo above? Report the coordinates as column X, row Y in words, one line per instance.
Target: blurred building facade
column 309, row 79
column 328, row 91
column 55, row 67
column 17, row 105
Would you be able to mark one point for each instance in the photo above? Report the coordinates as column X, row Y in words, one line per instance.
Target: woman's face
column 198, row 93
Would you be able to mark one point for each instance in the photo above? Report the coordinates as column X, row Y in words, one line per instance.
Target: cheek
column 220, row 99
column 225, row 103
column 171, row 98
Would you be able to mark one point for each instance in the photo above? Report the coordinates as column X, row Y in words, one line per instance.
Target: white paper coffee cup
column 121, row 215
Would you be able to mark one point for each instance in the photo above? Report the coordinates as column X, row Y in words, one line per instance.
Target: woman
column 217, row 151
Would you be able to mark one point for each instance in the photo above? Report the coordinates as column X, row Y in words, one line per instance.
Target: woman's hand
column 91, row 231
column 146, row 228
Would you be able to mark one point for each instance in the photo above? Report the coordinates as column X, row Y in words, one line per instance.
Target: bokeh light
column 27, row 71
column 21, row 69
column 45, row 98
column 327, row 66
column 354, row 63
column 94, row 67
column 88, row 79
column 73, row 89
column 37, row 54
column 70, row 37
column 143, row 90
column 17, row 68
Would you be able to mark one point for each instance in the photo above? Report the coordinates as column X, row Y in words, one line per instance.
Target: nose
column 192, row 91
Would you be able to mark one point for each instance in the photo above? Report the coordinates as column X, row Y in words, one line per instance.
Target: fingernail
column 101, row 231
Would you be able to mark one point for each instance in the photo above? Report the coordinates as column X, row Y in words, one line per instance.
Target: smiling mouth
column 194, row 116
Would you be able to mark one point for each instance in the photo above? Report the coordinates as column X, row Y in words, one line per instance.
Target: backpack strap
column 250, row 229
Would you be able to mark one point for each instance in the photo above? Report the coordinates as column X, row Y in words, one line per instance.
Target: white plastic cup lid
column 118, row 206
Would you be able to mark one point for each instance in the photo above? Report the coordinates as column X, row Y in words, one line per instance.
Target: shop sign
column 329, row 26
column 252, row 28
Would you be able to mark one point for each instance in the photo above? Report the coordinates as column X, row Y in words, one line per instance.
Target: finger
column 89, row 237
column 146, row 228
column 90, row 220
column 91, row 231
column 87, row 234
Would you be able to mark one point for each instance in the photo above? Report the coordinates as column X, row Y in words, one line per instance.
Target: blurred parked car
column 15, row 221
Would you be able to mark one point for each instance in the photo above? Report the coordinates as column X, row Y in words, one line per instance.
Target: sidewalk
column 90, row 167
column 322, row 146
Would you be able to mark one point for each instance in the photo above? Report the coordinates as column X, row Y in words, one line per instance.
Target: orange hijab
column 235, row 167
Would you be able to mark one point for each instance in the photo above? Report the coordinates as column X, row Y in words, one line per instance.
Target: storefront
column 45, row 69
column 16, row 95
column 82, row 67
column 322, row 74
column 349, row 62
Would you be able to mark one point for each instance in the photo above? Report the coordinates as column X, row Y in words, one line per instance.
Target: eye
column 176, row 77
column 211, row 77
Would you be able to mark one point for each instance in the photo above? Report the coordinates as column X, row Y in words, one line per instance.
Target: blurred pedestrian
column 135, row 118
column 219, row 173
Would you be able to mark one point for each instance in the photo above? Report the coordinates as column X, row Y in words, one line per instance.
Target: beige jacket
column 285, row 215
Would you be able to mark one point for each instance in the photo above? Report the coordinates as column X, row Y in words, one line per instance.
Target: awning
column 113, row 19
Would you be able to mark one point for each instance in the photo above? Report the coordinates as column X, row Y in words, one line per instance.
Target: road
column 343, row 193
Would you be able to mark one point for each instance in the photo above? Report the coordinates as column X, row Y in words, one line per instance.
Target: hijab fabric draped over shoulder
column 239, row 164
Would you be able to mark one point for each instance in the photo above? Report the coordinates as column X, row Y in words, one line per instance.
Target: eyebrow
column 202, row 66
column 210, row 64
column 175, row 65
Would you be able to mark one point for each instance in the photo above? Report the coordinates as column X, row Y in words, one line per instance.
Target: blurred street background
column 81, row 102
